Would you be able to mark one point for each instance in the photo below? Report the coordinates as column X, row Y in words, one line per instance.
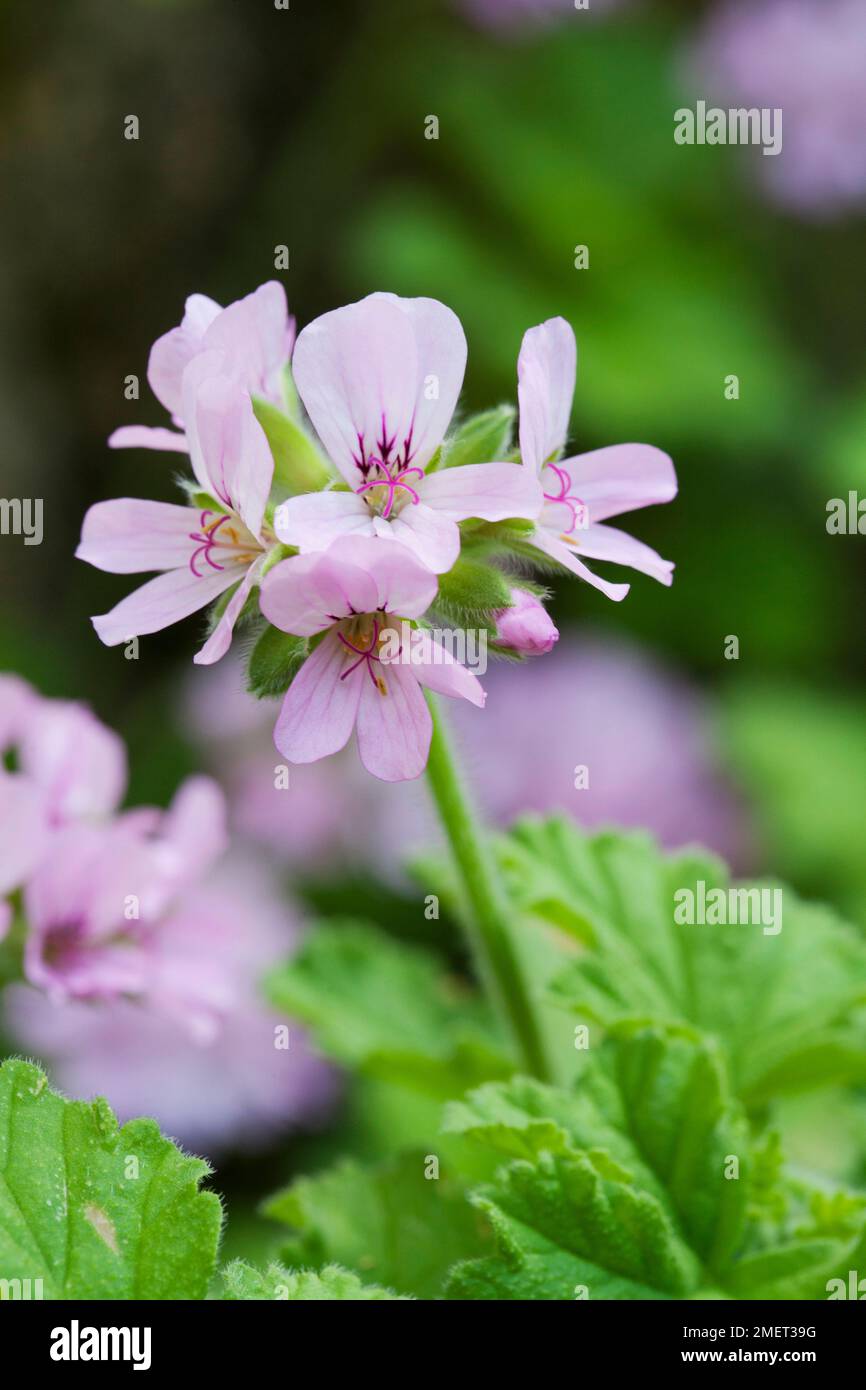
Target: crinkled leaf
column 661, row 1110
column 643, row 1183
column 388, row 1009
column 332, row 1284
column 392, row 1223
column 787, row 1007
column 94, row 1211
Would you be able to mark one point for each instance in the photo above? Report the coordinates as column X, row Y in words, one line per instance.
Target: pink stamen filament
column 392, row 484
column 207, row 541
column 364, row 654
column 566, row 497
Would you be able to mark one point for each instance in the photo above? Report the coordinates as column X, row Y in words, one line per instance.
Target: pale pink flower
column 807, row 58
column 227, row 1084
column 380, row 380
column 526, row 626
column 255, row 332
column 583, row 491
column 69, row 767
column 99, row 905
column 352, row 597
column 201, row 550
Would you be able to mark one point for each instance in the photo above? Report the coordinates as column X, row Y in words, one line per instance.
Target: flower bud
column 526, row 627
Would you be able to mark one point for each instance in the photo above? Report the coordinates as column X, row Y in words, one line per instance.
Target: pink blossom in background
column 222, row 1086
column 255, row 333
column 510, row 15
column 68, row 768
column 809, row 58
column 380, row 381
column 354, row 597
column 102, row 900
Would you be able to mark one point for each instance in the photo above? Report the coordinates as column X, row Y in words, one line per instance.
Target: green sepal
column 472, row 590
column 483, row 438
column 274, row 662
column 299, row 465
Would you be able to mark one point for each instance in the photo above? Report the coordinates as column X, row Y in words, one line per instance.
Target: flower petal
column 171, row 353
column 220, row 639
column 128, row 535
column 259, row 334
column 403, row 584
column 622, row 478
column 24, row 831
column 319, row 710
column 608, row 543
column 432, row 537
column 143, row 437
column 229, row 450
column 546, row 373
column 79, row 764
column 394, row 729
column 436, row 667
column 315, row 520
column 307, row 593
column 162, row 601
column 193, row 833
column 559, row 551
column 384, row 370
column 492, row 491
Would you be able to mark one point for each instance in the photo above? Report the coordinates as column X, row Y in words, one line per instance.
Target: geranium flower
column 380, row 380
column 96, row 904
column 68, row 767
column 255, row 332
column 204, row 549
column 224, row 1084
column 352, row 597
column 583, row 491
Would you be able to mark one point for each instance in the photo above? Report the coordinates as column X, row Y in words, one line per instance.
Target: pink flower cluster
column 379, row 381
column 126, row 908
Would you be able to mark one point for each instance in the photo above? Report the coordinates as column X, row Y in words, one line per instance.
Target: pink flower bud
column 527, row 626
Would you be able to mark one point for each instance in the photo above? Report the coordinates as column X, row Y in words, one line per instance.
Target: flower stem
column 488, row 912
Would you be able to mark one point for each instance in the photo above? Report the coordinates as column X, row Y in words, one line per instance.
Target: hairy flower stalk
column 488, row 914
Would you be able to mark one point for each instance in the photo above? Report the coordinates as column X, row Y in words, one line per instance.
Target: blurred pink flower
column 807, row 57
column 255, row 333
column 68, row 767
column 103, row 899
column 229, row 1084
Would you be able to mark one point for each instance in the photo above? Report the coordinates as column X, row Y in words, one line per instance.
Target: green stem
column 488, row 908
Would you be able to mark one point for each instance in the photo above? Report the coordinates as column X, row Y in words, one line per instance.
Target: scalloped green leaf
column 389, row 1009
column 242, row 1282
column 95, row 1211
column 787, row 1007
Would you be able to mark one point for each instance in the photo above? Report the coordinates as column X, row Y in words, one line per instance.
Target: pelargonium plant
column 408, row 525
column 608, row 1071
